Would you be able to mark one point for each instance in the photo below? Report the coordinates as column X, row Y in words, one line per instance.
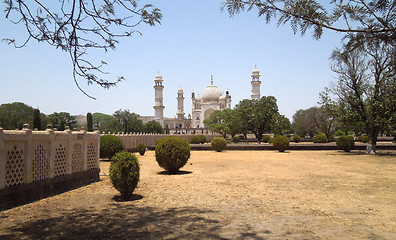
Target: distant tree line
column 15, row 115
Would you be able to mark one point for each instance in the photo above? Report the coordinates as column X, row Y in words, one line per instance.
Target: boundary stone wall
column 44, row 159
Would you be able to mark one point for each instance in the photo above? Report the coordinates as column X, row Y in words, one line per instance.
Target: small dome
column 211, row 93
column 180, row 90
column 198, row 98
column 223, row 97
column 158, row 76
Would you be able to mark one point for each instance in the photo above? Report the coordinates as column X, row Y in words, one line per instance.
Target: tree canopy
column 365, row 19
column 61, row 120
column 366, row 85
column 78, row 26
column 14, row 115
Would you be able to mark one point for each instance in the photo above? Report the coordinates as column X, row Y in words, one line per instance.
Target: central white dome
column 211, row 93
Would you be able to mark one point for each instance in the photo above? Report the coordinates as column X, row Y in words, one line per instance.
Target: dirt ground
column 227, row 195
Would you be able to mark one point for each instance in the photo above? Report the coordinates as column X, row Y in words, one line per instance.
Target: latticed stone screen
column 77, row 158
column 91, row 158
column 14, row 174
column 60, row 161
column 40, row 163
column 28, row 156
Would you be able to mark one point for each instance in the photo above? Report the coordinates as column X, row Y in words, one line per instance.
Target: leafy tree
column 314, row 120
column 89, row 122
column 104, row 122
column 303, row 123
column 44, row 121
column 325, row 123
column 78, row 26
column 367, row 84
column 361, row 20
column 153, row 127
column 244, row 113
column 233, row 121
column 225, row 122
column 129, row 122
column 36, row 119
column 262, row 119
column 281, row 125
column 14, row 115
column 61, row 120
column 215, row 123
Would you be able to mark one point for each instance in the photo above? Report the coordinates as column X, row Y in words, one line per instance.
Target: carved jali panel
column 91, row 158
column 60, row 161
column 14, row 167
column 77, row 158
column 40, row 163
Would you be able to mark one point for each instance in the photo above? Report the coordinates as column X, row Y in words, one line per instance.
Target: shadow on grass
column 119, row 221
column 180, row 172
column 133, row 197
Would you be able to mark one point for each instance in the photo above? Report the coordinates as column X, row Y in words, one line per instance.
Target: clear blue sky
column 194, row 40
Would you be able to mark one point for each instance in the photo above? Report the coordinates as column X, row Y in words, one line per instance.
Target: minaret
column 180, row 104
column 159, row 99
column 256, row 84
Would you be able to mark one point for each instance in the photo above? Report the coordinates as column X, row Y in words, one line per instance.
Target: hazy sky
column 195, row 39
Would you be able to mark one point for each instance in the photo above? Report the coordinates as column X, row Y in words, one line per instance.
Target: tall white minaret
column 256, row 84
column 159, row 99
column 180, row 104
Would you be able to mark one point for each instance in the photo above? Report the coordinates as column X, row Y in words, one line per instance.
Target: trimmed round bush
column 110, row 145
column 124, row 173
column 195, row 140
column 219, row 144
column 320, row 138
column 363, row 139
column 141, row 148
column 280, row 143
column 346, row 143
column 236, row 139
column 172, row 153
column 266, row 138
column 241, row 137
column 296, row 138
column 202, row 139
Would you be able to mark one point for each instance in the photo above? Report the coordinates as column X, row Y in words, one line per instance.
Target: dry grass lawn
column 227, row 195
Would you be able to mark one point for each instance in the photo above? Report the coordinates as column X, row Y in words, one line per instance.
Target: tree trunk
column 372, row 144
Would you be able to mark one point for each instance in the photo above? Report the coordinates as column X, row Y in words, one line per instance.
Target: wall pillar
column 29, row 155
column 51, row 152
column 2, row 159
column 69, row 148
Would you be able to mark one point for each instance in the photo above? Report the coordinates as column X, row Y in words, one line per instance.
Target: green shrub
column 345, row 143
column 195, row 140
column 124, row 173
column 110, row 145
column 296, row 138
column 219, row 144
column 320, row 138
column 202, row 139
column 266, row 138
column 141, row 148
column 172, row 153
column 363, row 139
column 280, row 143
column 339, row 133
column 236, row 139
